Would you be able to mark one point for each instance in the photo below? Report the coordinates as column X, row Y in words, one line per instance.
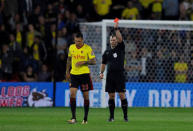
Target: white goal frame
column 143, row 24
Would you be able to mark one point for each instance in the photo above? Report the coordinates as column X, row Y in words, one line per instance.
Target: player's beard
column 79, row 45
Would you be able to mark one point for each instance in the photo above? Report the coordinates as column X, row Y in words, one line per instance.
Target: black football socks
column 86, row 109
column 73, row 107
column 124, row 106
column 111, row 107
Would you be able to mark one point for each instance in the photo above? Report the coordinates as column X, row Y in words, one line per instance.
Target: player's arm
column 91, row 59
column 102, row 69
column 103, row 64
column 68, row 65
column 89, row 62
column 118, row 33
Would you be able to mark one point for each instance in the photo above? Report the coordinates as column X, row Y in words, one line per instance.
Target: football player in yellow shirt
column 130, row 12
column 80, row 55
column 102, row 7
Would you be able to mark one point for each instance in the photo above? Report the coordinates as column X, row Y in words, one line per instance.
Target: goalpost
column 152, row 48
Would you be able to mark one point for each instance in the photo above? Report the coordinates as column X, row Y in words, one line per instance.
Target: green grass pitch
column 54, row 119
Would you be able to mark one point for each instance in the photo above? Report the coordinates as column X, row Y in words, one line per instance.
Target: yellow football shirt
column 54, row 34
column 19, row 38
column 102, row 6
column 83, row 54
column 35, row 52
column 130, row 13
column 30, row 39
column 157, row 7
column 180, row 67
column 146, row 3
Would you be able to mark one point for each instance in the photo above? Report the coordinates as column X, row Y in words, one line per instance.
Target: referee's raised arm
column 118, row 33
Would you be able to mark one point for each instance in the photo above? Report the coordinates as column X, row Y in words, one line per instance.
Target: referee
column 115, row 81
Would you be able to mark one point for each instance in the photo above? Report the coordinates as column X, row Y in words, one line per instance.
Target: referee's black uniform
column 114, row 59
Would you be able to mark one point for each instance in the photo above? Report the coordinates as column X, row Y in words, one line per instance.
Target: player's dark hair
column 79, row 35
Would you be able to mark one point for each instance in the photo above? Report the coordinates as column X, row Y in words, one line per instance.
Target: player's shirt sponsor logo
column 79, row 57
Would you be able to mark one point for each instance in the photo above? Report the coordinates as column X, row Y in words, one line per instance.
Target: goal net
column 155, row 51
column 158, row 54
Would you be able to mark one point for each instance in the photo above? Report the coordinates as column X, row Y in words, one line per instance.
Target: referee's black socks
column 73, row 107
column 111, row 107
column 86, row 109
column 124, row 106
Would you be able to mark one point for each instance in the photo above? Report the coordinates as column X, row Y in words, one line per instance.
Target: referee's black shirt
column 114, row 58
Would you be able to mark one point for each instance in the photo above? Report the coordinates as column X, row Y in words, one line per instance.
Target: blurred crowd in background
column 29, row 33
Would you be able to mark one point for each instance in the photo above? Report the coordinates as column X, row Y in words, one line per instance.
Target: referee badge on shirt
column 115, row 55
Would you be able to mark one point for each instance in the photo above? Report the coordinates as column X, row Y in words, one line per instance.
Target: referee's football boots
column 84, row 122
column 125, row 119
column 110, row 119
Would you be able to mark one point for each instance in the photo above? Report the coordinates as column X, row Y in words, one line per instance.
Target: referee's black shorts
column 115, row 82
column 83, row 80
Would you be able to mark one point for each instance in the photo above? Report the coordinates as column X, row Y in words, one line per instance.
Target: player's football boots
column 110, row 119
column 72, row 121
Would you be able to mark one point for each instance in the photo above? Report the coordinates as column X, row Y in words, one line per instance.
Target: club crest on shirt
column 81, row 51
column 115, row 55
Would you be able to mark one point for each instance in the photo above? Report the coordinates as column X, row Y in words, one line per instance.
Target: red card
column 116, row 20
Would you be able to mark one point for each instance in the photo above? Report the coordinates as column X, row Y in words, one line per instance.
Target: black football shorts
column 83, row 80
column 115, row 82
